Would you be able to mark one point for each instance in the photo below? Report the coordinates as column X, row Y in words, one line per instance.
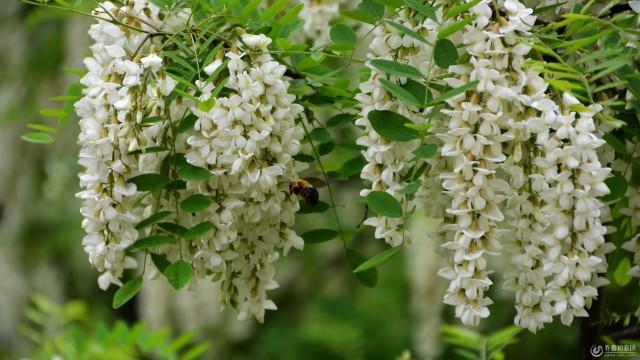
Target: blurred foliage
column 69, row 332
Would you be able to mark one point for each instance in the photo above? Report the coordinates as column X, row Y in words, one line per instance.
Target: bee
column 306, row 191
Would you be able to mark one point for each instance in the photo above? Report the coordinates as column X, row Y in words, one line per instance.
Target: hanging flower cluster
column 520, row 169
column 244, row 142
column 248, row 140
column 548, row 153
column 576, row 258
column 389, row 162
column 110, row 115
column 481, row 125
column 317, row 16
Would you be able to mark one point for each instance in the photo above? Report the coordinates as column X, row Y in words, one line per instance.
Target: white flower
column 152, row 61
column 211, row 68
column 388, row 162
column 109, row 113
column 480, row 126
column 258, row 42
column 317, row 16
column 248, row 140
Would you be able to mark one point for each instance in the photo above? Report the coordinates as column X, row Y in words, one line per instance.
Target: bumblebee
column 306, row 191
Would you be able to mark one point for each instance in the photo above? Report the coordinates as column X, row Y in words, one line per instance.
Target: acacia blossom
column 247, row 140
column 475, row 142
column 111, row 111
column 389, row 162
column 573, row 181
column 317, row 16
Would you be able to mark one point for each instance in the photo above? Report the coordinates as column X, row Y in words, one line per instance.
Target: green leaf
column 617, row 186
column 424, row 9
column 406, row 31
column 457, row 10
column 426, row 151
column 613, row 66
column 326, row 148
column 195, row 352
column 179, row 274
column 320, row 135
column 250, row 7
column 37, row 138
column 402, row 94
column 151, row 242
column 318, row 236
column 615, row 143
column 126, row 292
column 352, row 167
column 343, row 34
column 149, row 182
column 195, row 203
column 383, row 203
column 74, row 71
column 453, row 28
column 453, row 92
column 186, row 124
column 391, row 125
column 411, row 188
column 160, row 262
column 152, row 119
column 54, row 113
column 628, row 74
column 271, row 12
column 193, row 173
column 176, row 185
column 173, row 228
column 502, row 338
column 340, row 119
column 445, row 53
column 368, row 11
column 42, row 128
column 620, row 273
column 178, row 59
column 611, row 63
column 396, row 68
column 153, row 219
column 370, row 277
column 198, row 230
column 597, row 55
column 418, row 90
column 377, row 260
column 542, row 9
column 304, row 158
column 321, row 206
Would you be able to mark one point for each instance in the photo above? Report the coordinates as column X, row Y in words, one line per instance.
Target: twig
column 326, row 179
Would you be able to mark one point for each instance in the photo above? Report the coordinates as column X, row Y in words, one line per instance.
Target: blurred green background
column 50, row 302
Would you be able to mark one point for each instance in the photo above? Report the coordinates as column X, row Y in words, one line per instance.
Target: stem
column 326, row 179
column 71, row 10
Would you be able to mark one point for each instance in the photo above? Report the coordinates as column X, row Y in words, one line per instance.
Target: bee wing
column 316, row 182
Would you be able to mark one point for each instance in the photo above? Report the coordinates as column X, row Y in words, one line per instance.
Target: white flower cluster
column 110, row 112
column 572, row 182
column 509, row 126
column 388, row 161
column 317, row 16
column 476, row 143
column 248, row 140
